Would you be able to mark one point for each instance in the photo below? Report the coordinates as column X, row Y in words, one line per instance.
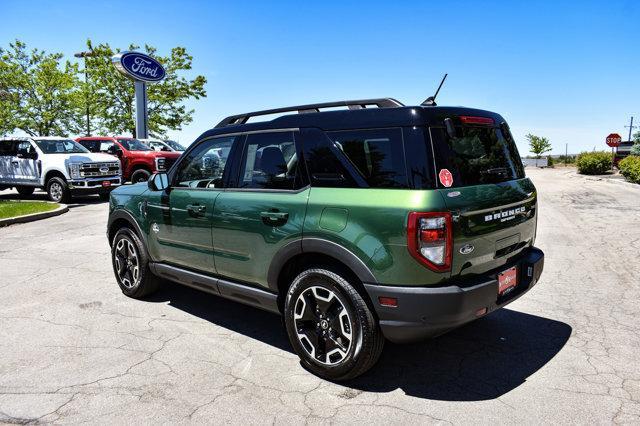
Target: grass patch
column 20, row 208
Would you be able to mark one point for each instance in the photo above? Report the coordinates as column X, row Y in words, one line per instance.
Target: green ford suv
column 357, row 224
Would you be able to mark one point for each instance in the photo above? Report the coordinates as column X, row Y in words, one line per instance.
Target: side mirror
column 114, row 150
column 158, row 182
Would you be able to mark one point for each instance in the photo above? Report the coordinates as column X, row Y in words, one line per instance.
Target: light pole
column 85, row 55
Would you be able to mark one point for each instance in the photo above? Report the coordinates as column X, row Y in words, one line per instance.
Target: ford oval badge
column 139, row 66
column 466, row 249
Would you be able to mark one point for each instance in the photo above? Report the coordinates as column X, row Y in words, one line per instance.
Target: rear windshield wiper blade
column 496, row 171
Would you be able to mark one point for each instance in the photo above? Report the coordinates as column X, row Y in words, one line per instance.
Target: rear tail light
column 429, row 239
column 476, row 120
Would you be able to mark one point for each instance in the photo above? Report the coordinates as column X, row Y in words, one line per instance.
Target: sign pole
column 142, row 118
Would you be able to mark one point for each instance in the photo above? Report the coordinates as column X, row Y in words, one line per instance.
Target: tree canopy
column 112, row 95
column 43, row 94
column 39, row 93
column 538, row 145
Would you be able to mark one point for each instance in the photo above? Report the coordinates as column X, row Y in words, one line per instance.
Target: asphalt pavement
column 75, row 349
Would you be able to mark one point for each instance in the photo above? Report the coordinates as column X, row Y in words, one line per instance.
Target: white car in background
column 159, row 145
column 61, row 166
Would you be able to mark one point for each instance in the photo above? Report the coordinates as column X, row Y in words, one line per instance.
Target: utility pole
column 84, row 55
column 566, row 151
column 631, row 127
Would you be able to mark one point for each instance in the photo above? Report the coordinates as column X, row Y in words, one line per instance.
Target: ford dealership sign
column 139, row 66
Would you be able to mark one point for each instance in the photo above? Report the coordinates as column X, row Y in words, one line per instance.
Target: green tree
column 635, row 148
column 538, row 145
column 38, row 94
column 111, row 95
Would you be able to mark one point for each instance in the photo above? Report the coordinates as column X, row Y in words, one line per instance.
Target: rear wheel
column 330, row 326
column 140, row 175
column 131, row 265
column 25, row 190
column 58, row 190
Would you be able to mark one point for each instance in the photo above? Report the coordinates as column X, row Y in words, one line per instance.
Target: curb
column 34, row 216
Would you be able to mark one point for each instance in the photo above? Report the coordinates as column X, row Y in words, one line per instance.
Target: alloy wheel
column 127, row 263
column 323, row 325
column 56, row 191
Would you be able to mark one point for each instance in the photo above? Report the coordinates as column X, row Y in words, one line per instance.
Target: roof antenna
column 431, row 100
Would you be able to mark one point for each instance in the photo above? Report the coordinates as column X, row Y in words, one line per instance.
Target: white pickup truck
column 61, row 166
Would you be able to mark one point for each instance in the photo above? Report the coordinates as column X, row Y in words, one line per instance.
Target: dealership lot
column 75, row 349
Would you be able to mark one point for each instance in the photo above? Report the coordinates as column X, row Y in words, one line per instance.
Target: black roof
column 388, row 113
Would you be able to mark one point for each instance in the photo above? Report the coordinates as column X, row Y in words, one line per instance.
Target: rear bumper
column 424, row 312
column 94, row 185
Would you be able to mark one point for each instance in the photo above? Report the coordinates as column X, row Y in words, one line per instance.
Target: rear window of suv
column 477, row 155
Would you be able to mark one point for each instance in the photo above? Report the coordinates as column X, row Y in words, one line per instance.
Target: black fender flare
column 317, row 245
column 125, row 215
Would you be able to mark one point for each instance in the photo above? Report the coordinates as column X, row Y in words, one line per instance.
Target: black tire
column 140, row 175
column 104, row 196
column 57, row 190
column 133, row 284
column 365, row 340
column 25, row 190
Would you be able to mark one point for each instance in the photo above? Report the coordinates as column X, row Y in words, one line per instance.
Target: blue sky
column 565, row 70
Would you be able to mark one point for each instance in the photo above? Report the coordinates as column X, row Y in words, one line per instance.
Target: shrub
column 594, row 163
column 630, row 168
column 635, row 149
column 550, row 161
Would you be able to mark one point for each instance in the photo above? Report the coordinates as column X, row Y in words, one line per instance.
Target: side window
column 90, row 145
column 356, row 158
column 270, row 161
column 25, row 148
column 376, row 154
column 204, row 166
column 7, row 148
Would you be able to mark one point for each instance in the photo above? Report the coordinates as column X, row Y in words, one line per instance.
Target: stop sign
column 613, row 140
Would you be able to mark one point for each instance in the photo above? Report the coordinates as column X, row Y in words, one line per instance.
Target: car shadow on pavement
column 480, row 361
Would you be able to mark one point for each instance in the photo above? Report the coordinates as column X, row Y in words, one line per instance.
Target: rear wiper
column 496, row 171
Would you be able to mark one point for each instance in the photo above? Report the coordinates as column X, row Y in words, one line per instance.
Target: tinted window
column 204, row 166
column 377, row 155
column 60, row 146
column 269, row 161
column 133, row 145
column 7, row 148
column 477, row 155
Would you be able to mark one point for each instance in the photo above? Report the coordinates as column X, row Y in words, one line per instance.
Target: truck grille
column 163, row 164
column 99, row 169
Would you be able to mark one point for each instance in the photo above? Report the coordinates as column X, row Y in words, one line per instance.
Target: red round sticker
column 446, row 178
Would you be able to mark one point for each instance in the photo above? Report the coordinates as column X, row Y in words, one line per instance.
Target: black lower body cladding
column 424, row 312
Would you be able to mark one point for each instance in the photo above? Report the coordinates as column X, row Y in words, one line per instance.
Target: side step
column 239, row 292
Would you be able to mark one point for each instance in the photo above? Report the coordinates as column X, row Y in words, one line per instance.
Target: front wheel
column 104, row 196
column 131, row 265
column 140, row 175
column 58, row 190
column 330, row 326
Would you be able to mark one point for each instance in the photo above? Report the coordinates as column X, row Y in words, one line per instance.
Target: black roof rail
column 302, row 109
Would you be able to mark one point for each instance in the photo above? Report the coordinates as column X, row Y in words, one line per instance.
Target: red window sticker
column 446, row 178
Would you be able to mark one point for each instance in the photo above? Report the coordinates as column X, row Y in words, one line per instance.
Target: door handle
column 196, row 210
column 274, row 218
column 15, row 163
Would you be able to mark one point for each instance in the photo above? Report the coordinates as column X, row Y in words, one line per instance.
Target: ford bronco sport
column 58, row 165
column 377, row 221
column 139, row 161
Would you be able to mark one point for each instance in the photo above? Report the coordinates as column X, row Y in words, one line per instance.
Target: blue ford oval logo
column 139, row 66
column 466, row 249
